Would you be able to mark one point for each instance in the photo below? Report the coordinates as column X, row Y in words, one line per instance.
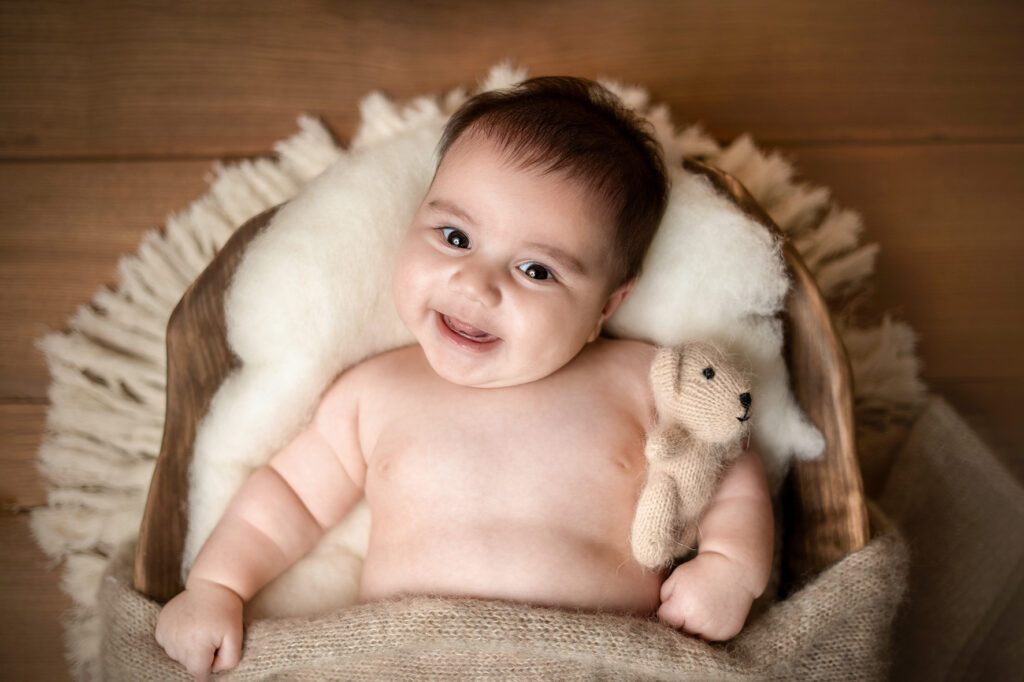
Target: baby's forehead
column 530, row 160
column 494, row 149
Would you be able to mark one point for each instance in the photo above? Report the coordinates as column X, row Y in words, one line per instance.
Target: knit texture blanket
column 835, row 628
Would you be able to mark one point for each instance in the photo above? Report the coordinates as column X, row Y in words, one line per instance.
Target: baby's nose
column 745, row 400
column 477, row 283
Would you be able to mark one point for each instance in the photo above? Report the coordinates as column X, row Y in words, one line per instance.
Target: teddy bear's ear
column 665, row 369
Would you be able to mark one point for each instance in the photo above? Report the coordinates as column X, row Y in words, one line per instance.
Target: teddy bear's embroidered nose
column 745, row 400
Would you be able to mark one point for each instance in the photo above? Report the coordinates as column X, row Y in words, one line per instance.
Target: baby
column 501, row 455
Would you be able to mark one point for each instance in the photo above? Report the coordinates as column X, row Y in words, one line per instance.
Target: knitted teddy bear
column 703, row 404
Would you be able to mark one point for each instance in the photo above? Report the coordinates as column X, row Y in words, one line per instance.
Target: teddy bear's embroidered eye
column 709, row 373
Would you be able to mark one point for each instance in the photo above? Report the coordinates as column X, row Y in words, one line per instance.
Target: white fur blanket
column 103, row 436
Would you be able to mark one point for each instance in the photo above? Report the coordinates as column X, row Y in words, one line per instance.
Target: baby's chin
column 468, row 380
column 481, row 377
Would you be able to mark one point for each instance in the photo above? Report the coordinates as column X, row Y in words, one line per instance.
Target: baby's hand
column 707, row 596
column 201, row 628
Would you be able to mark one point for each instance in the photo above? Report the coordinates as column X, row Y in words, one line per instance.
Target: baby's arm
column 711, row 594
column 275, row 518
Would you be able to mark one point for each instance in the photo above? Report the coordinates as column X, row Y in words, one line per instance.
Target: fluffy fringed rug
column 107, row 397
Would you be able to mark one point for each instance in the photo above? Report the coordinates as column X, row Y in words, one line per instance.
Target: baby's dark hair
column 577, row 127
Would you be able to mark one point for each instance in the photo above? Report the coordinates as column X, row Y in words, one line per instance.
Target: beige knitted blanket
column 835, row 628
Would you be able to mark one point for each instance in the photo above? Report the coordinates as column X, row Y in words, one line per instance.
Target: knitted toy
column 703, row 404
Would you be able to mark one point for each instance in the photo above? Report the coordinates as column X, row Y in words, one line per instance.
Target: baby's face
column 504, row 274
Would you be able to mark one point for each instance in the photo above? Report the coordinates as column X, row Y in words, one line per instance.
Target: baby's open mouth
column 467, row 331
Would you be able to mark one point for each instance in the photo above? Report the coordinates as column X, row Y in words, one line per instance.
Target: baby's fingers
column 191, row 651
column 673, row 614
column 695, row 617
column 684, row 611
column 198, row 662
column 229, row 652
column 668, row 587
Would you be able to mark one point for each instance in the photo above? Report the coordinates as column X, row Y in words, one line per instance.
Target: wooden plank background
column 112, row 112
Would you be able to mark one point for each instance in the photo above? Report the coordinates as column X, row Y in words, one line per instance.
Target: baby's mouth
column 467, row 331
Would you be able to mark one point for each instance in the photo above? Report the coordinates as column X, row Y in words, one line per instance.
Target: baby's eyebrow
column 449, row 207
column 569, row 261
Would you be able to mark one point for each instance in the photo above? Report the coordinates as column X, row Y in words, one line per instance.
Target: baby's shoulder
column 393, row 362
column 619, row 370
column 624, row 355
column 622, row 365
column 372, row 375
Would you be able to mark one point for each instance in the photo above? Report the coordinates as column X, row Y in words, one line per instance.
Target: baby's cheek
column 403, row 288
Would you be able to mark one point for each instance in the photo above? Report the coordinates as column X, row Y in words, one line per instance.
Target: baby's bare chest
column 528, row 454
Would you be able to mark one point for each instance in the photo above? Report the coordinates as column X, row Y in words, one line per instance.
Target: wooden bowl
column 825, row 511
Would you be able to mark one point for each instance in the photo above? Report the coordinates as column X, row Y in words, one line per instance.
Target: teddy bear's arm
column 655, row 524
column 697, row 472
column 653, row 536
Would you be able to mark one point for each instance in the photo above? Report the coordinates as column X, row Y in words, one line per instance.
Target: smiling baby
column 502, row 454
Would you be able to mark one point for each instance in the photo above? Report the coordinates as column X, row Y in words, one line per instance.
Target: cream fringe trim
column 107, row 399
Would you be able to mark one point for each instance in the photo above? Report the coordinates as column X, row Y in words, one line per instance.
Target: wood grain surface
column 93, row 78
column 112, row 113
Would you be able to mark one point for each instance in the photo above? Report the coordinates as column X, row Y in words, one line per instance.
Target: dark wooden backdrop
column 112, row 112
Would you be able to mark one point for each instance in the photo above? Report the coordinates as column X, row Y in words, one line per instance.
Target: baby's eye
column 455, row 237
column 536, row 271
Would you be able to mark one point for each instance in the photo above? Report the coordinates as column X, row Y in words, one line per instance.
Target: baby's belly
column 562, row 543
column 545, row 566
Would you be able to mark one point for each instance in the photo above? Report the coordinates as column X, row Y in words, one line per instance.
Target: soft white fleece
column 312, row 296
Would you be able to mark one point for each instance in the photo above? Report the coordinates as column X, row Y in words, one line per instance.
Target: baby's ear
column 615, row 299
